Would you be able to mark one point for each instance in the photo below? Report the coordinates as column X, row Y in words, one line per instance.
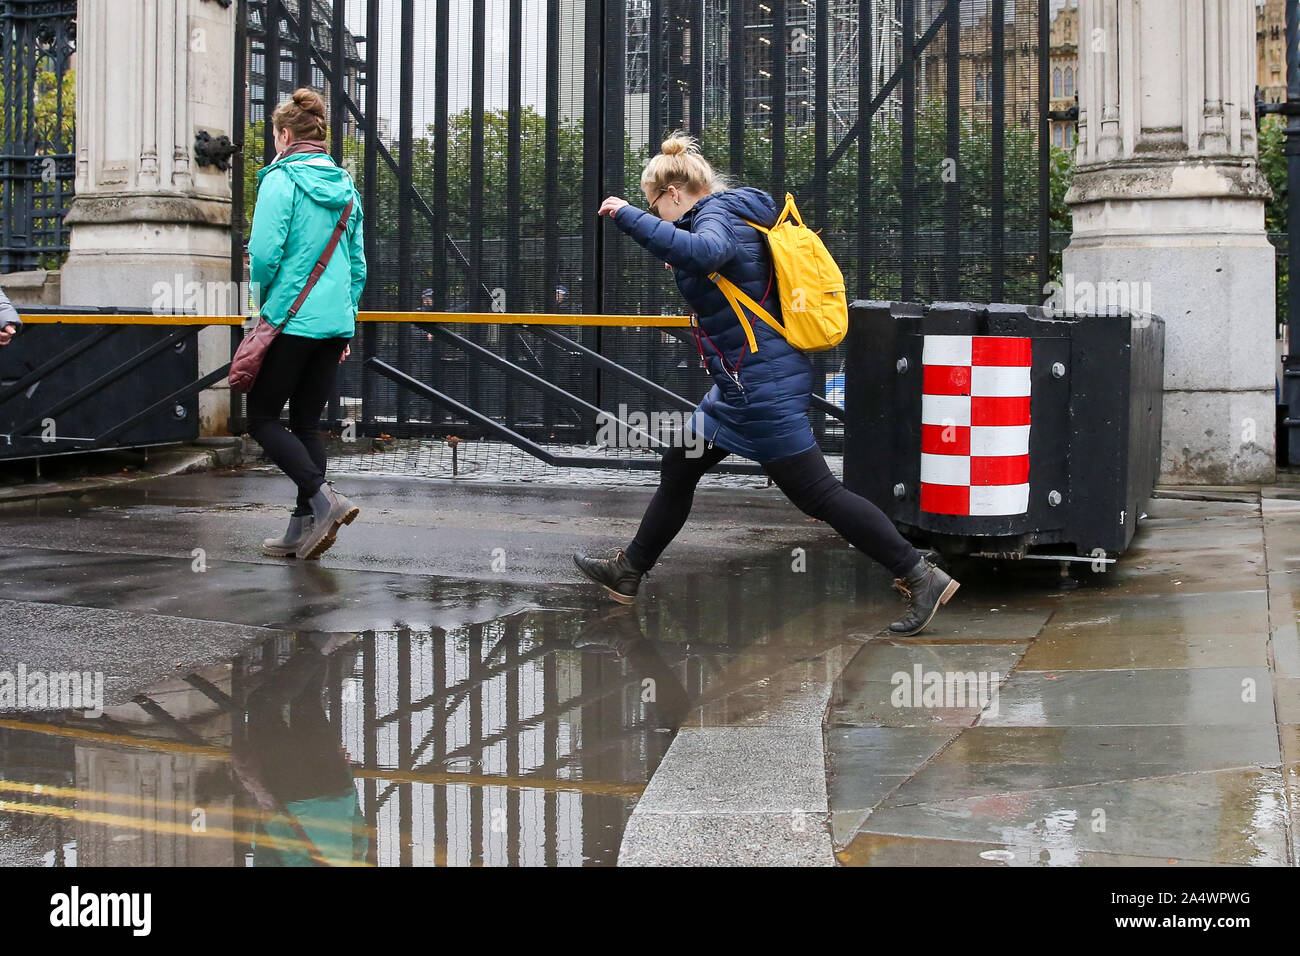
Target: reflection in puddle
column 525, row 740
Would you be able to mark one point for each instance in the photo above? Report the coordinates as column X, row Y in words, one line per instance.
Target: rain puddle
column 523, row 740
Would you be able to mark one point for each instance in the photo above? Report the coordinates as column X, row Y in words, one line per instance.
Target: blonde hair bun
column 681, row 162
column 679, row 143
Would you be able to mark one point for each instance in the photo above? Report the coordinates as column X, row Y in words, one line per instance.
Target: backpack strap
column 791, row 209
column 735, row 296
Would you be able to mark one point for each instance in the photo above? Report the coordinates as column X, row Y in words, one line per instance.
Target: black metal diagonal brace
column 108, row 378
column 527, row 377
column 843, row 146
column 181, row 393
column 609, row 365
column 512, row 437
column 57, row 361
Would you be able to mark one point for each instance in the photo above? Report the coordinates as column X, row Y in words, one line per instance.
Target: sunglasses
column 655, row 204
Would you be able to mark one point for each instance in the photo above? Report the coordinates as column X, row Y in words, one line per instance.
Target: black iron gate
column 37, row 41
column 912, row 132
column 1288, row 391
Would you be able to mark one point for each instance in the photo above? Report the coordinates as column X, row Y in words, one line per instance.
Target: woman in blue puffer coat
column 758, row 406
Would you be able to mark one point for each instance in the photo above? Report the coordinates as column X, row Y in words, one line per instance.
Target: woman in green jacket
column 301, row 196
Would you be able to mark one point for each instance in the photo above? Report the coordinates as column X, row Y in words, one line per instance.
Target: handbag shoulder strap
column 321, row 263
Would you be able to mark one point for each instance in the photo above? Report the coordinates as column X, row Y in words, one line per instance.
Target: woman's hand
column 347, row 350
column 611, row 205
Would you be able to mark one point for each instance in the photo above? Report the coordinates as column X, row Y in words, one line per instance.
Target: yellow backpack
column 810, row 285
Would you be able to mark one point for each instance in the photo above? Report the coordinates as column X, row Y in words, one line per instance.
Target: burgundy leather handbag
column 247, row 361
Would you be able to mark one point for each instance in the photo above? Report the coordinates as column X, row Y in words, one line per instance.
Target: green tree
column 840, row 224
column 44, row 128
column 1272, row 162
column 1062, row 222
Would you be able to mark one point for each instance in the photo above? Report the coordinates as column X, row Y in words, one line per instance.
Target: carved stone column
column 1168, row 196
column 152, row 74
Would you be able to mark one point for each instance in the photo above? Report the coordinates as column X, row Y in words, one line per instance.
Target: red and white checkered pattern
column 975, row 425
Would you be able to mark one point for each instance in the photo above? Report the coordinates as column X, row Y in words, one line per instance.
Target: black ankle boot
column 924, row 589
column 615, row 574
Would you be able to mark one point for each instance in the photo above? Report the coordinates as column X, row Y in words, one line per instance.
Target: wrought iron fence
column 37, row 42
column 914, row 133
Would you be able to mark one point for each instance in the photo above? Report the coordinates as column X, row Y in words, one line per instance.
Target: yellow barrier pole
column 469, row 318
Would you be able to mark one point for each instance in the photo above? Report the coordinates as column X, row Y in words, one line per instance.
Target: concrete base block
column 1218, row 438
column 33, row 287
column 1220, row 341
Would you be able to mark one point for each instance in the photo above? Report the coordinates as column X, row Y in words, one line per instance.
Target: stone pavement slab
column 1125, row 698
column 50, row 638
column 1234, row 816
column 1150, row 721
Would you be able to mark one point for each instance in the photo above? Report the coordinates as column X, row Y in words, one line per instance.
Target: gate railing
column 37, row 41
column 34, row 421
column 782, row 96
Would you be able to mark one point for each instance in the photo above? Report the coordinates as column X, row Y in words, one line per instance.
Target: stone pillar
column 150, row 75
column 1168, row 200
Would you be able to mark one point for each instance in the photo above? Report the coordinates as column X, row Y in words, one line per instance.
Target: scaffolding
column 844, row 18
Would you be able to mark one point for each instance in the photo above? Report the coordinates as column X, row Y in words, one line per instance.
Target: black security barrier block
column 73, row 388
column 1088, row 388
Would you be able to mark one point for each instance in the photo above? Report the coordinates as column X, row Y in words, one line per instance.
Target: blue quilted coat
column 758, row 406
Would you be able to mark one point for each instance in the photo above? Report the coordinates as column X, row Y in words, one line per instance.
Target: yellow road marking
column 440, row 777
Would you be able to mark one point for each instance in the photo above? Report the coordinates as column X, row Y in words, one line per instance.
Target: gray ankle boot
column 286, row 546
column 925, row 589
column 330, row 511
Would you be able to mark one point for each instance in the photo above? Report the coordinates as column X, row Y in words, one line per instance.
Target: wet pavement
column 513, row 742
column 1141, row 716
column 443, row 689
column 440, row 689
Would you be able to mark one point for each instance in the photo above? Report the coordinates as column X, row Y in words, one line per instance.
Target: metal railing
column 868, row 111
column 37, row 42
column 26, row 433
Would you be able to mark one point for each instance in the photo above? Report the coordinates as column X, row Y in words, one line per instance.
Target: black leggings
column 806, row 481
column 300, row 371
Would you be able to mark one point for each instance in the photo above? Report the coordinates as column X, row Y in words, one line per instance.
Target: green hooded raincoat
column 299, row 201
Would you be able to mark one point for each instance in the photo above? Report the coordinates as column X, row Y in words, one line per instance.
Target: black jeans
column 300, row 371
column 806, row 481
